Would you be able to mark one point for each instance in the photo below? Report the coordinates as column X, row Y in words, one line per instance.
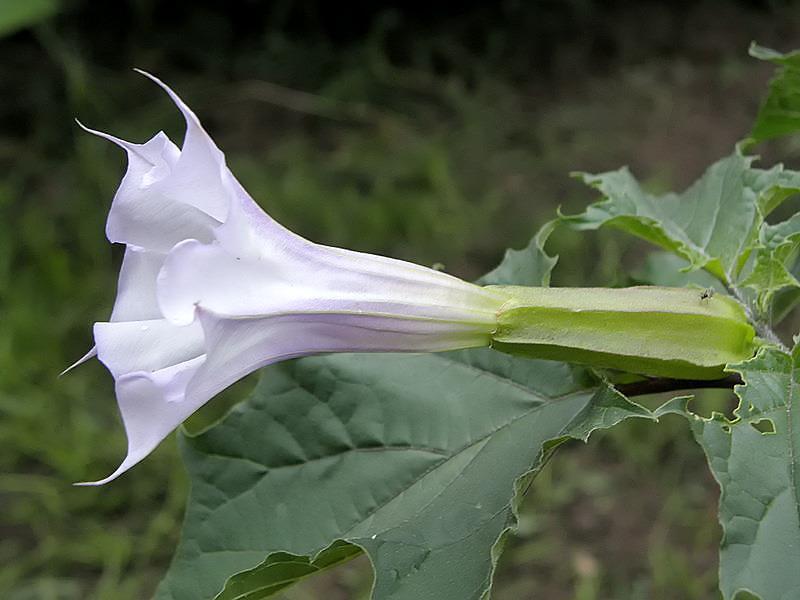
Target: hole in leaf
column 705, row 403
column 726, row 428
column 764, row 426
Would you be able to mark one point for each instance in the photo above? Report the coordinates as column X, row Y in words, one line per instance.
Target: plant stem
column 659, row 385
column 763, row 330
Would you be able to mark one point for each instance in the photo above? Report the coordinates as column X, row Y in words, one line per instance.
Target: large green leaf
column 415, row 459
column 780, row 113
column 419, row 460
column 756, row 460
column 712, row 224
column 718, row 224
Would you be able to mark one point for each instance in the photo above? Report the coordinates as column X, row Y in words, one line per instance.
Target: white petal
column 153, row 345
column 136, row 290
column 236, row 347
column 292, row 278
column 205, row 274
column 145, row 218
column 148, row 162
column 141, row 214
column 249, row 232
column 152, row 406
column 197, row 177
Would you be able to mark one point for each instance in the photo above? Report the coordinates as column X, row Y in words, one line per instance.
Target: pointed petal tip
column 175, row 98
column 96, row 132
column 130, row 461
column 89, row 483
column 125, row 145
column 99, row 482
column 150, row 76
column 89, row 355
column 191, row 119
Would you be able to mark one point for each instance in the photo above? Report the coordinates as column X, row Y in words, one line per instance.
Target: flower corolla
column 211, row 288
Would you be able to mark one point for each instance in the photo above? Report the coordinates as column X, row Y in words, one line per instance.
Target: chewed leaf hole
column 706, row 403
column 763, row 426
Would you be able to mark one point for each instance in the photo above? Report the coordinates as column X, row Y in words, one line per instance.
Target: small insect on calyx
column 707, row 294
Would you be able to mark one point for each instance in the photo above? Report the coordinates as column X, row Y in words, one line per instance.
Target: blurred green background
column 441, row 134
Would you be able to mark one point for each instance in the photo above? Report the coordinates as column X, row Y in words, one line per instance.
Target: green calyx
column 681, row 333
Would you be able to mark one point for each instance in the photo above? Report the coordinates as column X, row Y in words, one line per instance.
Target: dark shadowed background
column 442, row 134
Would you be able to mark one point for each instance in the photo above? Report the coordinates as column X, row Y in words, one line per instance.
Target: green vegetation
column 408, row 142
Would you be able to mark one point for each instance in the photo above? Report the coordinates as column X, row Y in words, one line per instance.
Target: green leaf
column 415, row 459
column 775, row 257
column 718, row 224
column 419, row 460
column 774, row 186
column 780, row 113
column 670, row 270
column 756, row 460
column 18, row 14
column 711, row 225
column 529, row 266
column 783, row 303
column 282, row 569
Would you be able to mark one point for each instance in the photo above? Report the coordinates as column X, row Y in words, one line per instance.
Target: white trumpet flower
column 211, row 288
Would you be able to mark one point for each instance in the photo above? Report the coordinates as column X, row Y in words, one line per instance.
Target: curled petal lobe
column 136, row 288
column 141, row 215
column 199, row 173
column 152, row 405
column 125, row 347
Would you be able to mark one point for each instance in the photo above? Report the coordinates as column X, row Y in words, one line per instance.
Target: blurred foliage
column 18, row 14
column 422, row 135
column 778, row 115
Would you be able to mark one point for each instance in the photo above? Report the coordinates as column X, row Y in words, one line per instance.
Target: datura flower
column 211, row 288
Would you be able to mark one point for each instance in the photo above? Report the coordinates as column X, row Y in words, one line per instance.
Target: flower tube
column 211, row 288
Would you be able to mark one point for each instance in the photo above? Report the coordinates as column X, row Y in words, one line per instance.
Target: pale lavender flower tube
column 211, row 288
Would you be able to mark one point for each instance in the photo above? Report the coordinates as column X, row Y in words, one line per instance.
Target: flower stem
column 763, row 330
column 658, row 385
